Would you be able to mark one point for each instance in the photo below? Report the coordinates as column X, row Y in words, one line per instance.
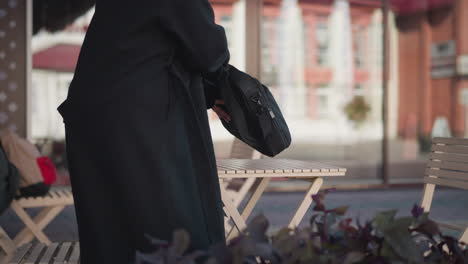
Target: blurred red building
column 317, row 71
column 432, row 57
column 433, row 45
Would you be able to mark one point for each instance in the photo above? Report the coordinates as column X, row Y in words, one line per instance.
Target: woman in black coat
column 139, row 147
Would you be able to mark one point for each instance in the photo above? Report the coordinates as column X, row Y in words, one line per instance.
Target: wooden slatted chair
column 447, row 166
column 237, row 189
column 52, row 204
column 55, row 253
column 7, row 247
column 240, row 150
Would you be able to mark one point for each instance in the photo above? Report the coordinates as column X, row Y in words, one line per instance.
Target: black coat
column 139, row 147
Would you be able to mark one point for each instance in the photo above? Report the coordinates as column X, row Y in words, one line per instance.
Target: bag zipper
column 270, row 111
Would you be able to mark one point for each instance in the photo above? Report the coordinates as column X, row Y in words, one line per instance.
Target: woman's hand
column 218, row 109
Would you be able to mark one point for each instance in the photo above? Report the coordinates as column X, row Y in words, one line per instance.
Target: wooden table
column 264, row 170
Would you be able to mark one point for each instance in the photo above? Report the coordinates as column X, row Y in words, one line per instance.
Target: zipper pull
column 271, row 113
column 256, row 99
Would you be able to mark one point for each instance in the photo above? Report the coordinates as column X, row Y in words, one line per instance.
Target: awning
column 414, row 6
column 61, row 58
column 398, row 6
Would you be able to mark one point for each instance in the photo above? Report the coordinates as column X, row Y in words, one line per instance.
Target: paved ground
column 450, row 205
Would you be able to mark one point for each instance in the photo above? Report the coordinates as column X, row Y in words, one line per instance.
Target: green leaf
column 307, row 254
column 258, row 227
column 354, row 257
column 399, row 238
column 282, row 234
column 387, row 252
column 286, row 245
column 341, row 210
column 429, row 228
column 403, row 223
column 383, row 219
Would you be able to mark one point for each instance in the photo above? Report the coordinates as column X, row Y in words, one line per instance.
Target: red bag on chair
column 48, row 171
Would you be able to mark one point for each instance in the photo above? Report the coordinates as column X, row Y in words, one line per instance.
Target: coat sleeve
column 203, row 44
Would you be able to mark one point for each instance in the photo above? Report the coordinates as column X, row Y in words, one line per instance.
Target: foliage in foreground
column 330, row 238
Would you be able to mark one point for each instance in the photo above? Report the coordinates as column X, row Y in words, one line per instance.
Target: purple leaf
column 319, row 207
column 417, row 211
column 317, row 197
column 236, row 240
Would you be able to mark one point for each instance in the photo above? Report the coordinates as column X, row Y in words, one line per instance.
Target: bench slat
column 448, row 183
column 66, row 193
column 47, row 257
column 450, row 149
column 36, row 252
column 75, row 255
column 449, row 157
column 57, row 194
column 448, row 174
column 20, row 253
column 62, row 254
column 44, row 201
column 451, row 141
column 448, row 165
column 56, row 253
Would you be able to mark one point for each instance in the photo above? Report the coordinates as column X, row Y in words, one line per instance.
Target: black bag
column 256, row 118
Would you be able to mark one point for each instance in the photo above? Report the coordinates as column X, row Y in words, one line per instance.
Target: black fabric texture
column 34, row 190
column 139, row 147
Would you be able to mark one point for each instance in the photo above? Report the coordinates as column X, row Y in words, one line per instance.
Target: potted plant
column 330, row 238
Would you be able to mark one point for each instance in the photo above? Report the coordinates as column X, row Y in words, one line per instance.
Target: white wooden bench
column 55, row 253
column 52, row 204
column 447, row 166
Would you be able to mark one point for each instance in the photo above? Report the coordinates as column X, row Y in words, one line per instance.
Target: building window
column 269, row 69
column 359, row 41
column 323, row 98
column 308, row 46
column 323, row 43
column 358, row 89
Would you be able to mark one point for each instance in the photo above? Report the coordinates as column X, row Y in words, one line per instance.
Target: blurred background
column 363, row 84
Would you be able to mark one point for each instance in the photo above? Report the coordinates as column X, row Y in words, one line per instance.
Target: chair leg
column 255, row 197
column 253, row 200
column 306, row 202
column 232, row 211
column 42, row 219
column 243, row 191
column 6, row 244
column 428, row 194
column 33, row 226
column 464, row 236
